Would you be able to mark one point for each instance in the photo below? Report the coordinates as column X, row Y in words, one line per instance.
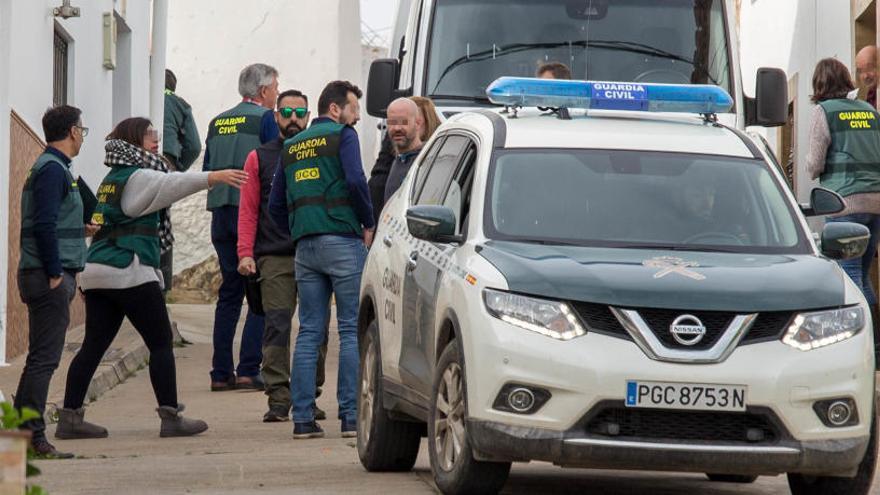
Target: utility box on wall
column 109, row 27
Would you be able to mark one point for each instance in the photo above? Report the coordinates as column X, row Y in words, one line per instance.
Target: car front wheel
column 452, row 461
column 829, row 485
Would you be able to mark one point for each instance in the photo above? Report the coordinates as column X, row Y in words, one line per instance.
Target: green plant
column 13, row 419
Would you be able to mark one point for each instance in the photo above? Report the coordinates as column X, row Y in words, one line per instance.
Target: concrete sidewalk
column 123, row 359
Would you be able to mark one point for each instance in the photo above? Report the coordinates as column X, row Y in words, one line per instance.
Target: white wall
column 310, row 42
column 26, row 79
column 794, row 35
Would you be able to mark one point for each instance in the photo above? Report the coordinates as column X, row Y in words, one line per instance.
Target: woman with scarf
column 122, row 277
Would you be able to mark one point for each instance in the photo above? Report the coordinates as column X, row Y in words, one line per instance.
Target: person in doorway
column 866, row 70
column 405, row 124
column 53, row 251
column 266, row 249
column 844, row 154
column 320, row 194
column 553, row 70
column 122, row 278
column 232, row 135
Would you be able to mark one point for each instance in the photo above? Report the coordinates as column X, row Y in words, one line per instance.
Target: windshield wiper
column 677, row 247
column 626, row 46
column 479, row 99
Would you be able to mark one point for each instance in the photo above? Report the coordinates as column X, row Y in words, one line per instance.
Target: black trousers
column 145, row 308
column 48, row 318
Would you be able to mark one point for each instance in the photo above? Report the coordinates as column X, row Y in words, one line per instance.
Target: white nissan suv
column 612, row 289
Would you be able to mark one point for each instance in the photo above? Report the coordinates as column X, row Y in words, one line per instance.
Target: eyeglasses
column 287, row 112
column 84, row 131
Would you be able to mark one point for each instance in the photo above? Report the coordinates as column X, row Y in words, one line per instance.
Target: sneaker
column 349, row 428
column 223, row 386
column 319, row 413
column 249, row 383
column 45, row 450
column 307, row 430
column 276, row 414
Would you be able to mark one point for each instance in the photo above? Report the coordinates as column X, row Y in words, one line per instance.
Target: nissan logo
column 687, row 330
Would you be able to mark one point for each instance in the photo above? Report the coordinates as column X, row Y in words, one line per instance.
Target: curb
column 116, row 367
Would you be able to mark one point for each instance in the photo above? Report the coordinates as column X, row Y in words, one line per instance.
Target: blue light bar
column 595, row 95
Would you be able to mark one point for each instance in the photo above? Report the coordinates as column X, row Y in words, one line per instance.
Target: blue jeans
column 224, row 236
column 858, row 268
column 325, row 265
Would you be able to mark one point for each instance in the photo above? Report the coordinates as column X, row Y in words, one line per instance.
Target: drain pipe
column 158, row 47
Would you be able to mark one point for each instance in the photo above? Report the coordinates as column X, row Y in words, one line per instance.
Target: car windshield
column 641, row 200
column 474, row 42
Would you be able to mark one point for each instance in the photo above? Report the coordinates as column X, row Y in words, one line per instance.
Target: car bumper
column 504, row 442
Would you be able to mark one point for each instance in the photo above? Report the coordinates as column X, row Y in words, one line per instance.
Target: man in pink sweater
column 266, row 250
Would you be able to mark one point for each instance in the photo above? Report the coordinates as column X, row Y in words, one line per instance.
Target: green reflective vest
column 852, row 164
column 69, row 227
column 121, row 237
column 317, row 195
column 232, row 135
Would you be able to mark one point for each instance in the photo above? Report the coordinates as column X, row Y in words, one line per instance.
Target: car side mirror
column 823, row 202
column 844, row 240
column 769, row 107
column 432, row 223
column 382, row 86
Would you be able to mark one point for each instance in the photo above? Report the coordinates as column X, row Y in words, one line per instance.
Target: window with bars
column 60, row 73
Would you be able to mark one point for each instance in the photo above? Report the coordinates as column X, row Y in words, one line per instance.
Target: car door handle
column 413, row 261
column 387, row 241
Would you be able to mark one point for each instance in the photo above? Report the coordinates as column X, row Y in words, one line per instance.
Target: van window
column 474, row 42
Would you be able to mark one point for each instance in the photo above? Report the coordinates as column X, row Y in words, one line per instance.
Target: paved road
column 241, row 455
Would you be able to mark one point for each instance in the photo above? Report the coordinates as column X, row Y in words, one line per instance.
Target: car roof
column 683, row 133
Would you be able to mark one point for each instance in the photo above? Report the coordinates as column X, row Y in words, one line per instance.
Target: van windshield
column 474, row 42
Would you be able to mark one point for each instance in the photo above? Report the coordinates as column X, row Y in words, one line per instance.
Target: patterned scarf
column 123, row 153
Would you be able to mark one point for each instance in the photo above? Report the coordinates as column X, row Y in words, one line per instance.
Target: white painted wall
column 794, row 35
column 310, row 42
column 26, row 49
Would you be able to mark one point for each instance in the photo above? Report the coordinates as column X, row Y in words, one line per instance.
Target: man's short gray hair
column 253, row 77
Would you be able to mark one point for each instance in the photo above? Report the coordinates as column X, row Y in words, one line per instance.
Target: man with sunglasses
column 53, row 251
column 266, row 249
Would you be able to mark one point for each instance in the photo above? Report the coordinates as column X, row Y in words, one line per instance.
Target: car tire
column 800, row 484
column 732, row 478
column 383, row 444
column 455, row 470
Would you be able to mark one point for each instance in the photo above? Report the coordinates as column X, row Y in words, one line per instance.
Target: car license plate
column 694, row 396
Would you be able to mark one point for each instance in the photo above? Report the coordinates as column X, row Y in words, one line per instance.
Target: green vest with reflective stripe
column 69, row 227
column 231, row 136
column 852, row 164
column 317, row 195
column 121, row 237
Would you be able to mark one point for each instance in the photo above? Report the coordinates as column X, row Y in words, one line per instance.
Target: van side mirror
column 823, row 202
column 769, row 107
column 844, row 240
column 382, row 86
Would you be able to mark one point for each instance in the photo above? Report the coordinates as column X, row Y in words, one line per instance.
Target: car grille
column 767, row 326
column 747, row 427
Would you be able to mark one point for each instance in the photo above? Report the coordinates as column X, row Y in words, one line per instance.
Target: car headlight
column 813, row 330
column 551, row 318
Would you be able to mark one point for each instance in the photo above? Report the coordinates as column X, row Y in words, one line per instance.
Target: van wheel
column 830, row 485
column 452, row 460
column 383, row 444
column 732, row 478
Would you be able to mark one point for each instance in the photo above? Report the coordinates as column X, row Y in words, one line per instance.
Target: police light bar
column 595, row 95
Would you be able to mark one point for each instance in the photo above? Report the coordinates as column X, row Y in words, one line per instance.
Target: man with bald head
column 405, row 124
column 866, row 70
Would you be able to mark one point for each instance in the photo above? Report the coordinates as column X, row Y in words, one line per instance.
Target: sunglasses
column 287, row 112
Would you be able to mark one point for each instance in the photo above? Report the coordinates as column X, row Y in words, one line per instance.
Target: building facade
column 100, row 61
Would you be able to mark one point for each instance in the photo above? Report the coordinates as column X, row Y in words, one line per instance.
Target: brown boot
column 175, row 425
column 72, row 425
